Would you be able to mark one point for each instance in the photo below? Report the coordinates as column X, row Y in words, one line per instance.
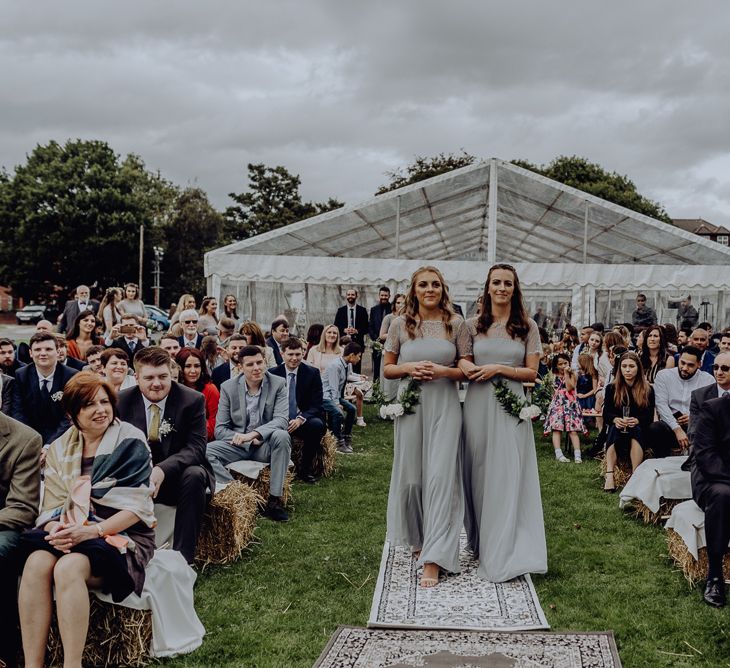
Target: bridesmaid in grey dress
column 425, row 503
column 503, row 517
column 389, row 387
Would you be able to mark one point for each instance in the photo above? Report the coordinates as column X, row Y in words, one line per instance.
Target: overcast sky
column 342, row 92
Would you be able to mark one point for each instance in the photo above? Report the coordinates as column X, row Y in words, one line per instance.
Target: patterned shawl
column 120, row 477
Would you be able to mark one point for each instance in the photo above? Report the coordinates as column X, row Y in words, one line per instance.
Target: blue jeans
column 335, row 416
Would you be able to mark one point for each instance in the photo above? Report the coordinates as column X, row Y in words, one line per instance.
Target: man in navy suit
column 306, row 415
column 279, row 334
column 352, row 320
column 75, row 306
column 377, row 313
column 39, row 388
column 173, row 418
column 189, row 321
column 128, row 336
column 711, row 488
column 229, row 369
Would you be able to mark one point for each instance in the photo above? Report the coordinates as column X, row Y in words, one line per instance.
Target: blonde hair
column 586, row 365
column 322, row 345
column 410, row 309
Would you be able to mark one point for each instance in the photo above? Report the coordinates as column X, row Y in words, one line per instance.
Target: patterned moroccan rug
column 462, row 602
column 370, row 648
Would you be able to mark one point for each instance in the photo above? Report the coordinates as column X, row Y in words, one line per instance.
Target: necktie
column 292, row 396
column 45, row 392
column 132, row 346
column 154, row 430
column 352, row 317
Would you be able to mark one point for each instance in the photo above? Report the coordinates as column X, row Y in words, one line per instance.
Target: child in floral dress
column 565, row 413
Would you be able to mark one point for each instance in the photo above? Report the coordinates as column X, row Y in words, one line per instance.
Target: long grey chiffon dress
column 425, row 503
column 503, row 518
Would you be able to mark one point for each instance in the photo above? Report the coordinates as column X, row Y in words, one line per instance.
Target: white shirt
column 148, row 412
column 49, row 378
column 720, row 391
column 672, row 394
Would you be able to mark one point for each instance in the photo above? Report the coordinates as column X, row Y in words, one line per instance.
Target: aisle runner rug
column 371, row 648
column 463, row 602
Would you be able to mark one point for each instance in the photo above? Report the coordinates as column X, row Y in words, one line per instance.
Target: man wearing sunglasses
column 721, row 372
column 189, row 321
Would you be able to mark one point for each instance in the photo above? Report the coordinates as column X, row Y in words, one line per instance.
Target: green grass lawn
column 280, row 603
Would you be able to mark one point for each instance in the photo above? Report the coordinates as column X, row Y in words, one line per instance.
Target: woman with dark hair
column 82, row 335
column 568, row 340
column 109, row 309
column 628, row 409
column 194, row 375
column 654, row 353
column 132, row 304
column 208, row 321
column 255, row 337
column 670, row 334
column 95, row 527
column 314, row 334
column 115, row 367
column 503, row 517
column 425, row 502
column 230, row 308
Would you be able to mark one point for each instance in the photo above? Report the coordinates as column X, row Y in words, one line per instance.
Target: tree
column 592, row 178
column 272, row 201
column 193, row 228
column 424, row 168
column 71, row 215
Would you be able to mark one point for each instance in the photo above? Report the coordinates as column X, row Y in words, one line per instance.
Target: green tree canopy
column 592, row 178
column 71, row 214
column 272, row 201
column 424, row 168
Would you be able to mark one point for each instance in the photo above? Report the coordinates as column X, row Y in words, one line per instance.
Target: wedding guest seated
column 95, row 528
column 654, row 353
column 252, row 425
column 255, row 337
column 628, row 430
column 279, row 333
column 115, row 367
column 172, row 417
column 333, row 389
column 93, row 359
column 721, row 373
column 63, row 356
column 9, row 362
column 673, row 391
column 212, row 352
column 710, row 474
column 700, row 339
column 195, row 376
column 327, row 350
column 170, row 344
column 129, row 335
column 82, row 335
column 208, row 320
column 190, row 337
column 230, row 369
column 306, row 415
column 19, row 497
column 7, row 391
column 39, row 389
column 226, row 328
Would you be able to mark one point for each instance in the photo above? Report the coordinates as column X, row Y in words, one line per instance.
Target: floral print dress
column 565, row 413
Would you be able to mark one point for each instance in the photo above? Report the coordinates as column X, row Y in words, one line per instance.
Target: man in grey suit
column 252, row 422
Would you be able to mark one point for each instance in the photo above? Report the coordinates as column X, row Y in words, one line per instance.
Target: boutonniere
column 57, row 396
column 166, row 428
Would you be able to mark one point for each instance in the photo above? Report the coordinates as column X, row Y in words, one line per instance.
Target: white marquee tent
column 577, row 255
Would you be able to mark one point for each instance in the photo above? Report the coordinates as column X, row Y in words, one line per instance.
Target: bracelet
column 100, row 530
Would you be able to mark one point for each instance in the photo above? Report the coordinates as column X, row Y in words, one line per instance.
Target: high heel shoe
column 610, row 490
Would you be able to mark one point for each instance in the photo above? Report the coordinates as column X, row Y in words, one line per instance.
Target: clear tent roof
column 448, row 217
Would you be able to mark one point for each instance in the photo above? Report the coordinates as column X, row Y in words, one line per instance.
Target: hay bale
column 117, row 636
column 642, row 512
column 228, row 525
column 260, row 485
column 621, row 472
column 693, row 569
column 324, row 460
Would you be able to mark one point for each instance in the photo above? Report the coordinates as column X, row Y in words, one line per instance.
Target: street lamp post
column 159, row 254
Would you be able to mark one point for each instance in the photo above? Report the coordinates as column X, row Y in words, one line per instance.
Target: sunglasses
column 721, row 367
column 189, row 322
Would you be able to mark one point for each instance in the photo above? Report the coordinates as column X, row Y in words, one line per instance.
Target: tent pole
column 492, row 220
column 397, row 227
column 585, row 232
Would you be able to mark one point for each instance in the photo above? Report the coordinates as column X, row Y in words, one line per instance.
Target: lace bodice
column 429, row 329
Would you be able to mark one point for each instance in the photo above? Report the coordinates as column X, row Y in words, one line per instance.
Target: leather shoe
column 715, row 592
column 275, row 510
column 308, row 478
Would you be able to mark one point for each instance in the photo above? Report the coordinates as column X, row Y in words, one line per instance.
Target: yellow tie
column 154, row 432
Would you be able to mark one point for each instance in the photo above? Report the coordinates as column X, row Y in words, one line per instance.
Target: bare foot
column 430, row 576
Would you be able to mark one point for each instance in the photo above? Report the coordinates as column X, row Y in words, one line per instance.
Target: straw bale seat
column 258, row 476
column 324, row 461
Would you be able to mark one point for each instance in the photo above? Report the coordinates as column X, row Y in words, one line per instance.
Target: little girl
column 565, row 412
column 587, row 382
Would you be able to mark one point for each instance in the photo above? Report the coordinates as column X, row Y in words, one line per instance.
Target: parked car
column 31, row 314
column 162, row 322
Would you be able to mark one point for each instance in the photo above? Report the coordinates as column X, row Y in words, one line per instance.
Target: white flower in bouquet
column 384, row 412
column 396, row 410
column 529, row 412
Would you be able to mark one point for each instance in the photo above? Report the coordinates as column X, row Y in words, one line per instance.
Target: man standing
column 673, row 392
column 306, row 416
column 644, row 316
column 377, row 313
column 173, row 418
column 279, row 334
column 687, row 314
column 710, row 473
column 352, row 320
column 20, row 479
column 189, row 321
column 39, row 389
column 231, row 368
column 9, row 364
column 252, row 424
column 75, row 306
column 128, row 336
